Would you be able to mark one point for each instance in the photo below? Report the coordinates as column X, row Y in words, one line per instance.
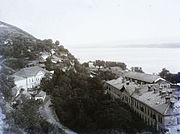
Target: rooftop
column 151, row 99
column 28, row 72
column 150, row 78
column 150, row 95
column 117, row 83
column 41, row 94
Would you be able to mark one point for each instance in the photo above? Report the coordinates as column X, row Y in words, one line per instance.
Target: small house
column 40, row 96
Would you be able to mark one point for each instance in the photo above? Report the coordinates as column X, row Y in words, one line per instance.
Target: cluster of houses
column 30, row 77
column 151, row 97
column 53, row 56
column 93, row 69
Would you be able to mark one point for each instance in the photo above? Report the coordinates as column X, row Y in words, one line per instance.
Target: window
column 178, row 121
column 142, row 109
column 154, row 116
column 159, row 118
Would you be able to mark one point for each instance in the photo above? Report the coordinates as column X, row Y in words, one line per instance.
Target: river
column 152, row 60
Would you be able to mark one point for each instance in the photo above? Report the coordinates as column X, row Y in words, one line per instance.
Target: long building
column 142, row 78
column 154, row 101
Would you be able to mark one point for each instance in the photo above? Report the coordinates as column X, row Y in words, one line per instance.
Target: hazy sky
column 76, row 22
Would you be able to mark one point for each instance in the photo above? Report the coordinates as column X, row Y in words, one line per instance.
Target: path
column 49, row 114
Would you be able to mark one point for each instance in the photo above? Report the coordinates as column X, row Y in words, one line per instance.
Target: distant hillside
column 165, row 45
column 125, row 45
column 9, row 32
column 19, row 48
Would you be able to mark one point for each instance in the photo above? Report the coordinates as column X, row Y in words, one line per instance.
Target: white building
column 40, row 96
column 55, row 59
column 91, row 64
column 143, row 78
column 29, row 77
column 43, row 56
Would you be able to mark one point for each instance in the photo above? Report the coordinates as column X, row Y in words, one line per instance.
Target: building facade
column 142, row 78
column 29, row 77
column 158, row 106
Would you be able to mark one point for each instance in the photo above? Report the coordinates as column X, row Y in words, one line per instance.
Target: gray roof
column 41, row 94
column 150, row 98
column 117, row 83
column 28, row 72
column 130, row 88
column 142, row 76
column 154, row 100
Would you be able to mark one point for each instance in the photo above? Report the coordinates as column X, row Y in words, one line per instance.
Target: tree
column 164, row 73
column 137, row 69
column 106, row 75
column 99, row 63
column 27, row 117
column 81, row 104
column 169, row 76
column 6, row 85
column 57, row 43
column 49, row 64
column 116, row 64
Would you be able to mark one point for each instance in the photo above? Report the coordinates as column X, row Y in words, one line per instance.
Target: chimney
column 167, row 99
column 163, row 94
column 169, row 92
column 149, row 88
column 155, row 90
column 127, row 83
column 172, row 103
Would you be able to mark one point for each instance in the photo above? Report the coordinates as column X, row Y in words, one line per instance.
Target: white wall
column 21, row 83
column 30, row 82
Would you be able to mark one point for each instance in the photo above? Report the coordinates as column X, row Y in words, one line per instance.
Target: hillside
column 14, row 42
column 9, row 32
column 19, row 49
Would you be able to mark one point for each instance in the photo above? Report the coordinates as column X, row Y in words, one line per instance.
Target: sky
column 96, row 22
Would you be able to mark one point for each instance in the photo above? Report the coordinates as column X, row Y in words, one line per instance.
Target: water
column 152, row 60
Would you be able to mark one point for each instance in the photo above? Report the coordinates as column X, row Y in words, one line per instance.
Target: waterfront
column 152, row 60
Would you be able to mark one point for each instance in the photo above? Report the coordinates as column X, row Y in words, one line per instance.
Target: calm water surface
column 152, row 60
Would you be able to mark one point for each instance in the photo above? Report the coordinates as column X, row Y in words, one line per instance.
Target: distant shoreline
column 128, row 46
column 152, row 60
